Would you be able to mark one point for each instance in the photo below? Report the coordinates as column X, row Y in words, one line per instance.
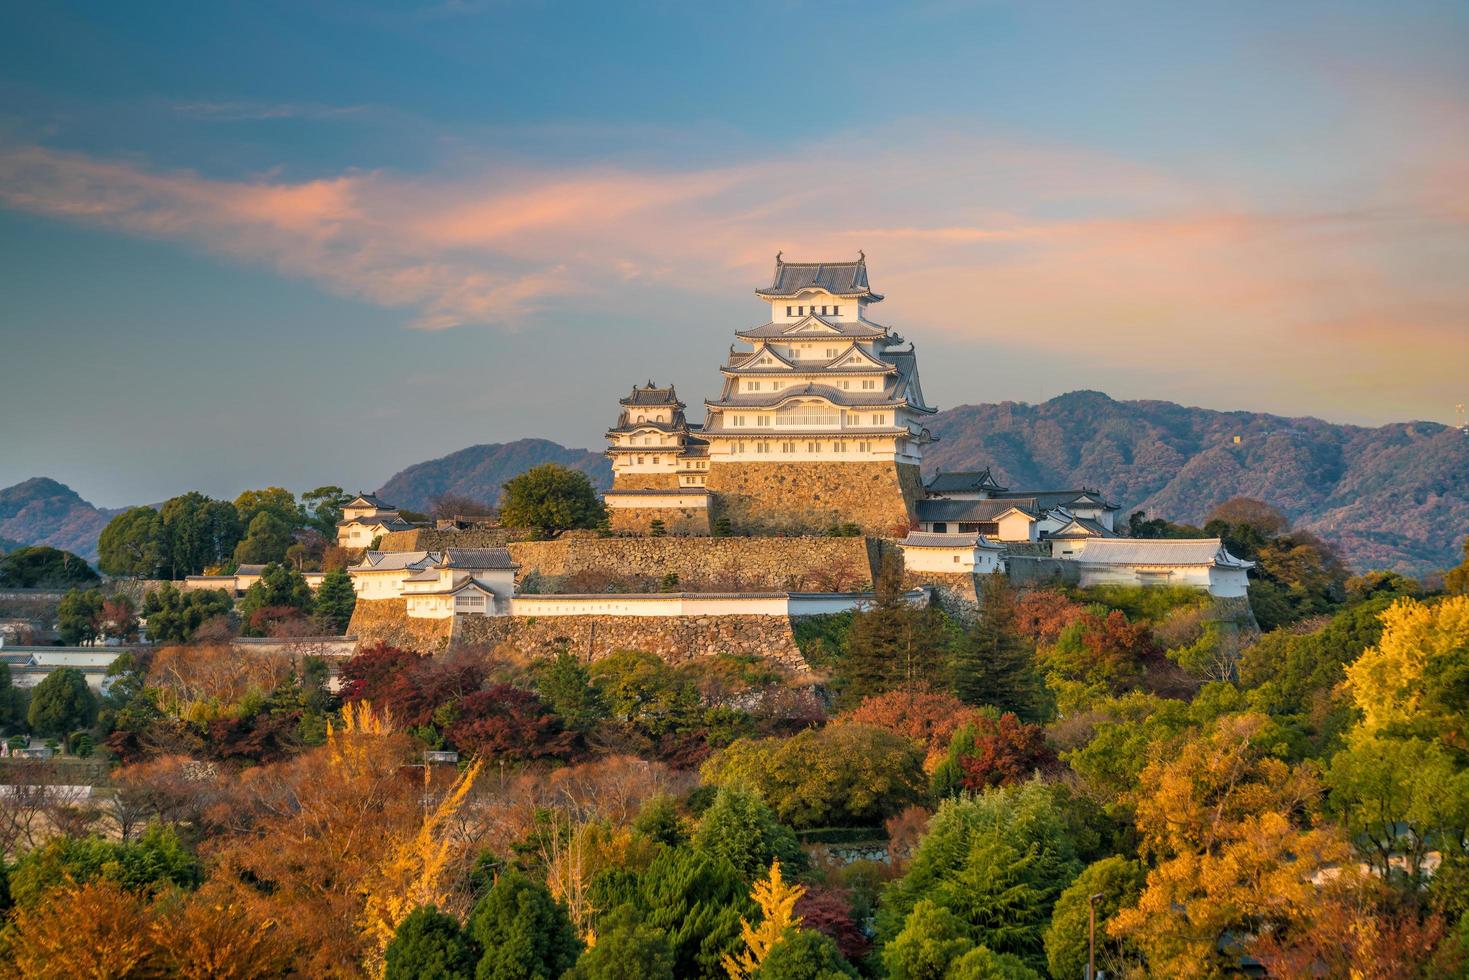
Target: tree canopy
column 40, row 567
column 549, row 499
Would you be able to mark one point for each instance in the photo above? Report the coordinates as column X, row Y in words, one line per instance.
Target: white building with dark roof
column 365, row 519
column 438, row 584
column 1199, row 563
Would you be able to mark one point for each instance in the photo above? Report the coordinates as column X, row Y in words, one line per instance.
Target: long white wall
column 693, row 604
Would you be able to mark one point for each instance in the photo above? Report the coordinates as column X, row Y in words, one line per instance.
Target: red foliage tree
column 509, row 723
column 829, row 911
column 365, row 675
column 927, row 717
column 263, row 738
column 1041, row 614
column 1006, row 751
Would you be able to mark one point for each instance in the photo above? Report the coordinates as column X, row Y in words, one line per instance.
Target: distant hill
column 1395, row 496
column 479, row 472
column 43, row 511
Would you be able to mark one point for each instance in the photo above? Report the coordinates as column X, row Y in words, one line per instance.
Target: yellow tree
column 1386, row 681
column 1224, row 824
column 413, row 873
column 777, row 902
column 99, row 929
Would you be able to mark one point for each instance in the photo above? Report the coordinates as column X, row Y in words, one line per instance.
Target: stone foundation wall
column 685, row 521
column 956, row 593
column 432, row 539
column 675, row 639
column 387, row 621
column 645, row 481
column 1024, row 570
column 734, row 564
column 765, row 497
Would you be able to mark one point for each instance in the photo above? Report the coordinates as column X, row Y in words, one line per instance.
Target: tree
column 1101, row 649
column 322, row 508
column 174, row 615
column 281, row 591
column 118, row 618
column 133, row 544
column 893, row 643
column 276, row 501
column 77, row 616
column 550, row 499
column 992, row 664
column 84, row 930
column 429, row 945
column 61, row 704
column 335, row 600
column 1119, row 882
column 927, row 718
column 626, row 949
column 840, row 775
column 523, row 931
column 1233, row 854
column 1003, row 751
column 1456, row 579
column 804, row 954
column 777, row 903
column 507, row 722
column 566, row 685
column 1417, row 676
column 447, row 506
column 995, row 862
column 266, row 540
column 198, row 532
column 152, row 863
column 39, row 567
column 742, row 830
column 931, row 939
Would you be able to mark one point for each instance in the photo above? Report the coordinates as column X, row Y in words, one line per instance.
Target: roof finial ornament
column 861, row 255
column 778, row 255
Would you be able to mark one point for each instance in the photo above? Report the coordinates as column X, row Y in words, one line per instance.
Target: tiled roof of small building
column 498, row 558
column 837, row 278
column 371, row 501
column 1160, row 551
column 962, row 481
column 1046, row 499
column 976, row 511
column 932, row 539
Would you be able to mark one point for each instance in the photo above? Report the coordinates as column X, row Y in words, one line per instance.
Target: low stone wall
column 956, row 593
column 432, row 539
column 645, row 481
column 387, row 621
column 676, row 639
column 877, row 496
column 733, row 564
column 681, row 521
column 1042, row 571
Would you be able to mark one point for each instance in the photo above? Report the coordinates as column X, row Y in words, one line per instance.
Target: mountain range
column 1394, row 496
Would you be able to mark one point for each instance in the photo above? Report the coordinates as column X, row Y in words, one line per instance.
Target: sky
column 300, row 243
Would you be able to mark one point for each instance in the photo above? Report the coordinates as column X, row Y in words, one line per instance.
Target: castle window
column 813, row 447
column 762, row 447
column 788, row 447
column 762, row 420
column 956, row 559
column 788, row 310
column 836, row 311
column 831, row 352
column 863, row 447
column 846, row 385
column 739, row 420
column 640, row 460
column 655, row 460
column 823, row 311
column 800, row 311
column 869, row 383
column 752, row 385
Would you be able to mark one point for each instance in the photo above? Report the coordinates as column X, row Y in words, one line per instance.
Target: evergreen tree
column 992, row 663
column 429, row 945
column 198, row 532
column 335, row 600
column 133, row 544
column 40, row 567
column 76, row 616
column 280, row 587
column 266, row 540
column 804, row 954
column 174, row 615
column 61, row 704
column 894, row 643
column 626, row 949
column 566, row 686
column 740, row 828
column 550, row 499
column 524, row 932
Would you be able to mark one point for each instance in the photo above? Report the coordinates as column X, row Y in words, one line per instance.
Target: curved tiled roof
column 837, row 278
column 812, row 326
column 1160, row 551
column 650, row 394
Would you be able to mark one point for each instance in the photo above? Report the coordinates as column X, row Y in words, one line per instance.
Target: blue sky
column 300, row 243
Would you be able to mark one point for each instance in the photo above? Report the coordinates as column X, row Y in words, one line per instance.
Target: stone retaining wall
column 387, row 621
column 645, row 481
column 675, row 639
column 956, row 593
column 734, row 564
column 1041, row 571
column 682, row 521
column 878, row 497
column 432, row 539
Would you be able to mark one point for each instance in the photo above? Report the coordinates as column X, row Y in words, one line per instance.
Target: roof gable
column 837, row 278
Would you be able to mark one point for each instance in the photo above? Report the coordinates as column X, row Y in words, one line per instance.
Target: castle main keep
column 820, row 422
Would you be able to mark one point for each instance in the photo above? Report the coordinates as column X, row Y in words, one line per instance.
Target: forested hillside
column 479, row 472
column 43, row 511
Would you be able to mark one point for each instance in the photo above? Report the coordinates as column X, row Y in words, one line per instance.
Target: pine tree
column 430, row 944
column 894, row 643
column 335, row 600
column 992, row 664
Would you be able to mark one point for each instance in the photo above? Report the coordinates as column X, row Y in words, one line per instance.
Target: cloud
column 988, row 238
column 249, row 111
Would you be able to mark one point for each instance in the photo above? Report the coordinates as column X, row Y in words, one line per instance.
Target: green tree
column 997, row 861
column 335, row 600
column 77, row 616
column 566, row 686
column 280, row 587
column 266, row 540
column 155, row 860
column 931, row 939
column 12, row 702
column 61, row 704
column 549, row 499
column 643, row 691
column 174, row 615
column 276, row 501
column 841, row 775
column 133, row 544
column 322, row 508
column 199, row 532
column 430, row 945
column 993, row 664
column 893, row 643
column 1119, row 882
column 626, row 949
column 524, row 932
column 740, row 828
column 39, row 567
column 804, row 954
